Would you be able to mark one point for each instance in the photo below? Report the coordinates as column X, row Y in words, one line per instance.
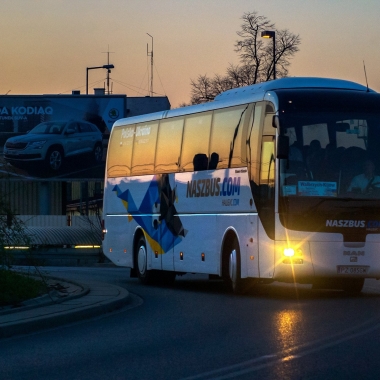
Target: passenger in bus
column 352, row 159
column 214, row 159
column 295, row 152
column 314, row 158
column 200, row 162
column 366, row 182
column 295, row 166
column 329, row 167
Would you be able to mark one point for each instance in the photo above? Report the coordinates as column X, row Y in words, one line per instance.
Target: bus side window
column 144, row 148
column 252, row 141
column 196, row 138
column 168, row 145
column 226, row 136
column 267, row 168
column 120, row 151
column 266, row 199
column 268, row 118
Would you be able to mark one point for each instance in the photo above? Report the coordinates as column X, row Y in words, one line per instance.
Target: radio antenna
column 151, row 64
column 365, row 73
column 108, row 69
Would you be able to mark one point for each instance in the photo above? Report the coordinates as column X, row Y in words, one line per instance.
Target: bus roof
column 248, row 94
column 287, row 83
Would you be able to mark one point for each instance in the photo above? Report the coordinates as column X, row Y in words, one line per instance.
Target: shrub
column 17, row 287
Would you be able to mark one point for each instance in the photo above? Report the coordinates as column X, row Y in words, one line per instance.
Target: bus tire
column 234, row 268
column 144, row 275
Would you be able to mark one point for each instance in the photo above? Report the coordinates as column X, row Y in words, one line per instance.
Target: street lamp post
column 108, row 67
column 271, row 34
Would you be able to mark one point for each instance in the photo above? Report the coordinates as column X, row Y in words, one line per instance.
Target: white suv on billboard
column 52, row 142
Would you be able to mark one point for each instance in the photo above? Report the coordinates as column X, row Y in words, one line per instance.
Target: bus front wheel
column 144, row 275
column 235, row 280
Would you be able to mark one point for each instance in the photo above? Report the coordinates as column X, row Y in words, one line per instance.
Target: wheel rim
column 141, row 260
column 55, row 160
column 233, row 266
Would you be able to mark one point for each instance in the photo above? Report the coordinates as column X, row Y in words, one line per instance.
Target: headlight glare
column 288, row 252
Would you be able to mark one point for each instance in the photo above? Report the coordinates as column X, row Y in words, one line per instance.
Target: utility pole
column 150, row 54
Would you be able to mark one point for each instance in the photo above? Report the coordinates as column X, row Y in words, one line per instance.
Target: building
column 76, row 189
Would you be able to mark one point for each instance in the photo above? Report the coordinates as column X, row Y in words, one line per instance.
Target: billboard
column 56, row 137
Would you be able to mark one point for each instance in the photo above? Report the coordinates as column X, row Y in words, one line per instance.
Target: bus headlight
column 289, row 252
column 292, row 256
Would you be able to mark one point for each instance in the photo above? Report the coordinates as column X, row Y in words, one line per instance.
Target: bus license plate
column 351, row 269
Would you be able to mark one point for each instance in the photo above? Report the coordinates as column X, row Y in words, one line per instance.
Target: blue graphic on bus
column 156, row 214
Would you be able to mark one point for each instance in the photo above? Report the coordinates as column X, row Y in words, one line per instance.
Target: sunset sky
column 46, row 45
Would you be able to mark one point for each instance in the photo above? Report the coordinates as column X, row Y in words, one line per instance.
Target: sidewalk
column 67, row 302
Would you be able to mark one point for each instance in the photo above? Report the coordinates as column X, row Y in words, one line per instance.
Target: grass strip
column 17, row 287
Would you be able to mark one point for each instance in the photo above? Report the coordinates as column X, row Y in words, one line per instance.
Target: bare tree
column 202, row 90
column 256, row 57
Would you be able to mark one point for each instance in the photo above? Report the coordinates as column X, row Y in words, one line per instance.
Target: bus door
column 167, row 257
column 162, row 255
column 162, row 250
column 266, row 208
column 165, row 221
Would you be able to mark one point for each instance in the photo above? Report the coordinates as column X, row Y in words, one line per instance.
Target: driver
column 367, row 181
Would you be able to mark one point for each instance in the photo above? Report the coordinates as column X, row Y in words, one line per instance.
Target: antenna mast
column 150, row 54
column 108, row 71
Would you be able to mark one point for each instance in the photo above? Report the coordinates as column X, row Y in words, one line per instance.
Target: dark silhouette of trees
column 256, row 59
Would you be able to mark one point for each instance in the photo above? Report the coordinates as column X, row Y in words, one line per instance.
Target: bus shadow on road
column 274, row 290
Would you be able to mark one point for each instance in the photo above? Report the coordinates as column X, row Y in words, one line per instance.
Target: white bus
column 269, row 182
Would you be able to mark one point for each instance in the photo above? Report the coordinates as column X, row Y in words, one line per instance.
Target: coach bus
column 270, row 182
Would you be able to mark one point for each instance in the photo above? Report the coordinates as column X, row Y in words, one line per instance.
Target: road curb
column 51, row 298
column 49, row 317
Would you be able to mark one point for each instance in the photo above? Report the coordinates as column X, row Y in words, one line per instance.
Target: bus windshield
column 334, row 158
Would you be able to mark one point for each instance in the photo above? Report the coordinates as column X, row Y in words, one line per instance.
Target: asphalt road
column 197, row 330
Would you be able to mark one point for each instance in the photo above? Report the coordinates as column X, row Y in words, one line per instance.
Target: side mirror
column 275, row 122
column 282, row 146
column 282, row 140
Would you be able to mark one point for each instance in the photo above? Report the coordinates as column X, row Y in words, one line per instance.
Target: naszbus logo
column 345, row 223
